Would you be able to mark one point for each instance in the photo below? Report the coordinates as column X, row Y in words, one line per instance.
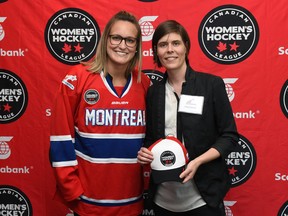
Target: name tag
column 191, row 104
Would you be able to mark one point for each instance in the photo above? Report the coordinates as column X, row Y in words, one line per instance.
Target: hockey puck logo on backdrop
column 14, row 202
column 13, row 97
column 228, row 34
column 72, row 35
column 284, row 99
column 91, row 96
column 242, row 162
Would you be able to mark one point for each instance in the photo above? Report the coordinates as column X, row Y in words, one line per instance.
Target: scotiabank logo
column 147, row 28
column 228, row 205
column 5, row 150
column 2, row 31
column 72, row 35
column 229, row 89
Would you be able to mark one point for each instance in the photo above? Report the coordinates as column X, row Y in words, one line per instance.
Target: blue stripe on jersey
column 62, row 151
column 108, row 147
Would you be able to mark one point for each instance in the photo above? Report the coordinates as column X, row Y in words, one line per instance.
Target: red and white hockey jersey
column 95, row 137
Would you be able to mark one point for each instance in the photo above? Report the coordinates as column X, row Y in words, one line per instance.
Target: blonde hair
column 98, row 63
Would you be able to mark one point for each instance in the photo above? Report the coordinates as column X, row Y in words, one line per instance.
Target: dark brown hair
column 167, row 27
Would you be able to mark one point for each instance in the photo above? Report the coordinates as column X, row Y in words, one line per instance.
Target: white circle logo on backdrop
column 228, row 34
column 72, row 35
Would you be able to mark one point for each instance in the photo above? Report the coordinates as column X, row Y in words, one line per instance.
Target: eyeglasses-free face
column 117, row 39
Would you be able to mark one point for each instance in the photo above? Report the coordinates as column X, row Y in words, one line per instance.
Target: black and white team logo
column 242, row 162
column 167, row 158
column 284, row 210
column 284, row 98
column 228, row 34
column 91, row 96
column 14, row 202
column 72, row 35
column 13, row 97
column 154, row 75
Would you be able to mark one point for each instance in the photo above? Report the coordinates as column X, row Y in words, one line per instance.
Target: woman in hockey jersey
column 98, row 126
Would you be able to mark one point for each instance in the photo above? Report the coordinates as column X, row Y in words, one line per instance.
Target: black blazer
column 214, row 128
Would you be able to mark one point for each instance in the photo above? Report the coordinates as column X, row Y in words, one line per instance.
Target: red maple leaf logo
column 234, row 46
column 78, row 48
column 221, row 46
column 66, row 48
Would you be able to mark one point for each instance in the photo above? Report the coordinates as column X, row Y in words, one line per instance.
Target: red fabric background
column 260, row 79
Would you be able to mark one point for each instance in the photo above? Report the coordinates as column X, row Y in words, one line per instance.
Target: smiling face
column 121, row 54
column 171, row 51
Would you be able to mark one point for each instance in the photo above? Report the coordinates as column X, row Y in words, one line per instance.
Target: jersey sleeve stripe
column 65, row 163
column 110, row 135
column 106, row 160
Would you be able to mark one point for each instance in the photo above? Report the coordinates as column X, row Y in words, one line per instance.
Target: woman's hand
column 193, row 165
column 144, row 156
column 190, row 171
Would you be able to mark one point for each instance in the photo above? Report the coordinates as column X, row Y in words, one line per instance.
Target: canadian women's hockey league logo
column 72, row 35
column 14, row 202
column 228, row 34
column 241, row 162
column 13, row 97
column 284, row 99
column 283, row 210
column 154, row 75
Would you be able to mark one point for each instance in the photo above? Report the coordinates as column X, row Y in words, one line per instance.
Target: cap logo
column 168, row 158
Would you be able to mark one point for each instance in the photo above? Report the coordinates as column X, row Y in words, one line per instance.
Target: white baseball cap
column 170, row 159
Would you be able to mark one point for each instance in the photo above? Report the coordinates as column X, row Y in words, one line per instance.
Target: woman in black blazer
column 194, row 107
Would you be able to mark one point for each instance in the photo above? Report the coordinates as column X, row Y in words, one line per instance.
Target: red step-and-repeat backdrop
column 245, row 42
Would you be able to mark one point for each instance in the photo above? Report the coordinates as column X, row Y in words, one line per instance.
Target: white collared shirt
column 176, row 196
